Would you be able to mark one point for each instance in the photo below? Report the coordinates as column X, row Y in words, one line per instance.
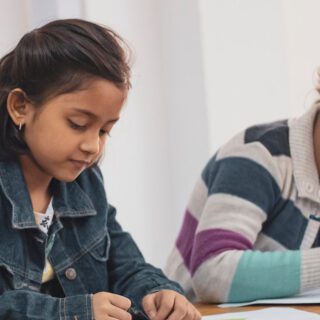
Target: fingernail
column 151, row 314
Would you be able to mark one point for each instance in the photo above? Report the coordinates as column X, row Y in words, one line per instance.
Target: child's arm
column 236, row 196
column 129, row 274
column 149, row 290
column 24, row 305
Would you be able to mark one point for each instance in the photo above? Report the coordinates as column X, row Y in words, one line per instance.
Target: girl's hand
column 169, row 304
column 107, row 305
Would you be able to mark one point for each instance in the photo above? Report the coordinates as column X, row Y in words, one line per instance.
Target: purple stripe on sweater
column 211, row 242
column 185, row 239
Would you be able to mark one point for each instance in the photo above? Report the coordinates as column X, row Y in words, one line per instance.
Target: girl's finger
column 198, row 315
column 118, row 313
column 149, row 305
column 166, row 305
column 181, row 310
column 119, row 301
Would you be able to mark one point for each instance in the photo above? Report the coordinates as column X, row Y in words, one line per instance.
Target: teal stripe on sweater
column 266, row 275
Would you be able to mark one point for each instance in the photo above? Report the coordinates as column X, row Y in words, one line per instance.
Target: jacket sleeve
column 129, row 274
column 24, row 305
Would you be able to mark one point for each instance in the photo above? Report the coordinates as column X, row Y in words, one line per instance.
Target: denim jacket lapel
column 15, row 189
column 69, row 200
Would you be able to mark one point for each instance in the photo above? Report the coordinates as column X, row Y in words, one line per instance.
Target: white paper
column 310, row 297
column 266, row 314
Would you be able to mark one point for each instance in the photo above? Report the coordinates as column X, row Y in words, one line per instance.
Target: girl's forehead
column 91, row 115
column 99, row 100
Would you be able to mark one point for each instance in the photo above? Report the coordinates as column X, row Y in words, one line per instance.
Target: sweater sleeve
column 238, row 195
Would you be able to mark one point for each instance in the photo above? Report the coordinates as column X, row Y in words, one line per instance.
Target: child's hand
column 169, row 304
column 108, row 305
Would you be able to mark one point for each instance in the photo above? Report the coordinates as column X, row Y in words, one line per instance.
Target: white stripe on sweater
column 177, row 270
column 266, row 243
column 310, row 275
column 213, row 278
column 222, row 210
column 198, row 199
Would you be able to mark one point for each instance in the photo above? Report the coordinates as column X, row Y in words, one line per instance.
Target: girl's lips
column 79, row 164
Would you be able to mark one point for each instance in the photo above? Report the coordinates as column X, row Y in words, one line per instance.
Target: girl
column 251, row 229
column 63, row 254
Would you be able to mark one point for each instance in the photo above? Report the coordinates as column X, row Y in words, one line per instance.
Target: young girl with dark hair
column 63, row 254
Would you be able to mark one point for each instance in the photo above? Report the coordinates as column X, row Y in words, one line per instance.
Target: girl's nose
column 91, row 144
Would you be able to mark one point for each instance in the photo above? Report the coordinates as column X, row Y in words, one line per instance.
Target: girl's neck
column 37, row 183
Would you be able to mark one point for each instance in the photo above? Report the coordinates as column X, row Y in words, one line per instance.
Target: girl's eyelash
column 104, row 132
column 79, row 127
column 76, row 126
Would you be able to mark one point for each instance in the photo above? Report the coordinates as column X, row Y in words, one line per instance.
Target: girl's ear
column 18, row 106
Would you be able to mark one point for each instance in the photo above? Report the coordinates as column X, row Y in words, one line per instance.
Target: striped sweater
column 251, row 228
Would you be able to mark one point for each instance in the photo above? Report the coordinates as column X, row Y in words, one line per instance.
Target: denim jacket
column 88, row 251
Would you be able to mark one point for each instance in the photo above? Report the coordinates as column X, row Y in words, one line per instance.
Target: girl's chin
column 67, row 177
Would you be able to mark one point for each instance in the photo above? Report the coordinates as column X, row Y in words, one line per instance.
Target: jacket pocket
column 8, row 279
column 101, row 250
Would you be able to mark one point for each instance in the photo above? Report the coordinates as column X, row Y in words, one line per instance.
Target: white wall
column 40, row 12
column 13, row 23
column 302, row 49
column 246, row 72
column 184, row 93
column 260, row 59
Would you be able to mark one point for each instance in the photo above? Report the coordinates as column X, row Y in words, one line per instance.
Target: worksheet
column 266, row 314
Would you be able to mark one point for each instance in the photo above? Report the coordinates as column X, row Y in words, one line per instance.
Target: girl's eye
column 104, row 132
column 76, row 126
column 79, row 127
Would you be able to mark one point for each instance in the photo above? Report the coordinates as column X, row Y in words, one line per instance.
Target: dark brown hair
column 59, row 57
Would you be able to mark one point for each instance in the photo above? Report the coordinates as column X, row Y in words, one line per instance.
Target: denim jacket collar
column 69, row 200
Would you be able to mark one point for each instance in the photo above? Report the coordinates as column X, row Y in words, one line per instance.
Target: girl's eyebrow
column 93, row 116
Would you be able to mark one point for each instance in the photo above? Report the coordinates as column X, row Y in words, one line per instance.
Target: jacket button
column 71, row 273
column 310, row 188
